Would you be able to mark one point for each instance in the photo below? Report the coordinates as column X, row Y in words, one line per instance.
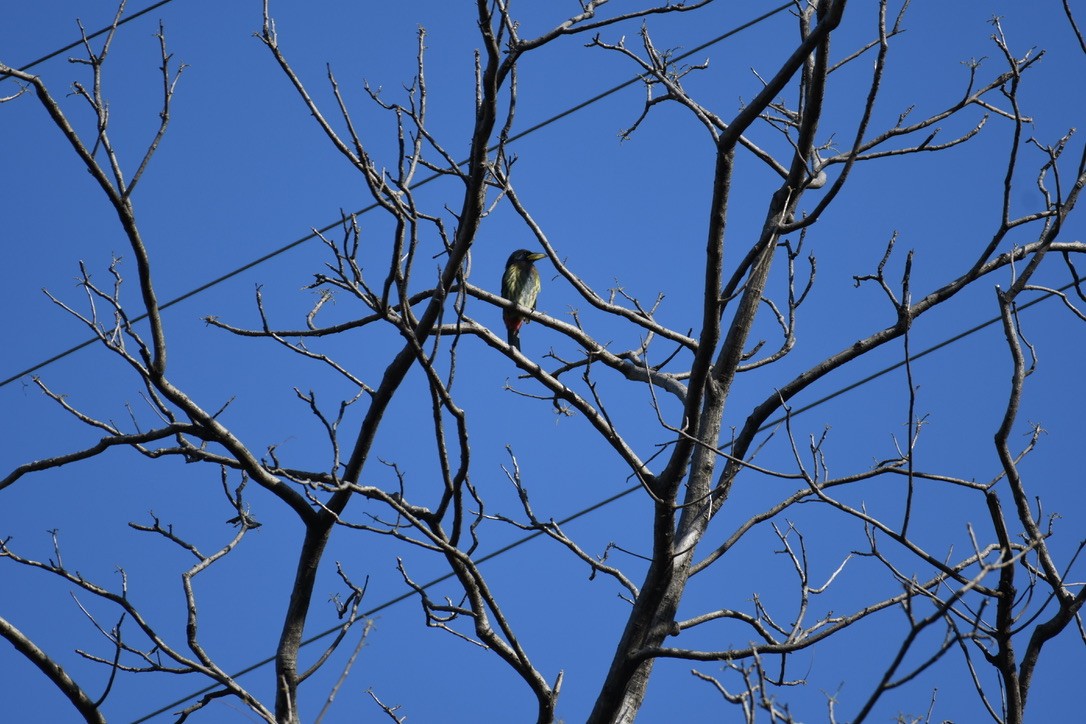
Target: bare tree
column 995, row 605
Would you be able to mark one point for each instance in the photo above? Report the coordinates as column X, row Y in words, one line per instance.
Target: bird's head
column 523, row 257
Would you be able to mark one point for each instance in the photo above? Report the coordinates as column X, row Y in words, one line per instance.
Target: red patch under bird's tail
column 513, row 323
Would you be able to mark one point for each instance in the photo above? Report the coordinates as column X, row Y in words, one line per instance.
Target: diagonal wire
column 391, row 602
column 935, row 347
column 308, row 237
column 93, row 35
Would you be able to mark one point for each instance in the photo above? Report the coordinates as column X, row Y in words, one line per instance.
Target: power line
column 622, row 494
column 308, row 237
column 93, row 35
column 946, row 342
column 391, row 602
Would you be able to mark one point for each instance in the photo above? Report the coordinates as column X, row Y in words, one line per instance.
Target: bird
column 520, row 284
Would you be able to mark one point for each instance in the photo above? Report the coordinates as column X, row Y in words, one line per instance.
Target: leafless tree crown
column 410, row 306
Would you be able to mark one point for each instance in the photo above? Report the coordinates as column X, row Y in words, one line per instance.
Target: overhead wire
column 92, row 36
column 574, row 516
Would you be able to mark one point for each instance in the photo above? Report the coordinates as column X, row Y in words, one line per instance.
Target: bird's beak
column 537, row 257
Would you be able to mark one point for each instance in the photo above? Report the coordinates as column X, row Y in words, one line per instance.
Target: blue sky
column 243, row 170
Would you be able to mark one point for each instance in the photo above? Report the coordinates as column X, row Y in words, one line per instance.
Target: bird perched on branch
column 520, row 284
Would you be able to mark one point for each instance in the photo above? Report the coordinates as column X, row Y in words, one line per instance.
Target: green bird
column 520, row 284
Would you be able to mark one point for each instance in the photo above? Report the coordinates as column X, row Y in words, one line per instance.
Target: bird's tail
column 512, row 328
